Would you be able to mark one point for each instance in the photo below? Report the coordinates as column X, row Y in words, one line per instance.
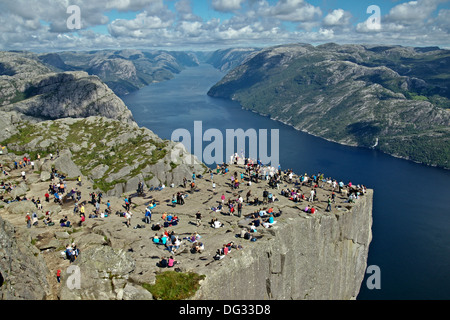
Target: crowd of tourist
column 254, row 211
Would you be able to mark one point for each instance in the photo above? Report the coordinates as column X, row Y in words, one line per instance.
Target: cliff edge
column 302, row 257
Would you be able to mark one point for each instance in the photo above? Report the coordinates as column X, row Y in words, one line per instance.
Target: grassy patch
column 171, row 285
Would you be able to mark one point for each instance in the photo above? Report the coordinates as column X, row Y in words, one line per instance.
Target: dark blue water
column 411, row 213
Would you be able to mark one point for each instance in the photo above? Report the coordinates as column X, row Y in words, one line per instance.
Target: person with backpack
column 28, row 220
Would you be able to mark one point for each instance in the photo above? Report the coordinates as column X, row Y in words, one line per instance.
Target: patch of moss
column 171, row 285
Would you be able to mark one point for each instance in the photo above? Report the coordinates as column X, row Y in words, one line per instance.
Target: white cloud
column 139, row 27
column 337, row 17
column 442, row 21
column 291, row 10
column 184, row 10
column 227, row 5
column 412, row 12
column 37, row 24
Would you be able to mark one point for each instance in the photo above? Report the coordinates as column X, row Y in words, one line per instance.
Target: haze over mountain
column 123, row 71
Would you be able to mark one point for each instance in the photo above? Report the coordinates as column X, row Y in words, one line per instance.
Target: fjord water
column 411, row 210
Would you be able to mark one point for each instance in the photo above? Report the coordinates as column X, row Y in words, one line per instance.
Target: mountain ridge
column 346, row 94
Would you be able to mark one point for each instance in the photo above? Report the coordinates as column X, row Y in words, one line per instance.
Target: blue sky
column 41, row 25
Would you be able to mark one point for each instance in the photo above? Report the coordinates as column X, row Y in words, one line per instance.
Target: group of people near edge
column 255, row 172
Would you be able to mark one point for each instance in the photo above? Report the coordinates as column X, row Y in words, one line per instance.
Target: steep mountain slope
column 227, row 59
column 31, row 88
column 124, row 71
column 392, row 98
column 80, row 116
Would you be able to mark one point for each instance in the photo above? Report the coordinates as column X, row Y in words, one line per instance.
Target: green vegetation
column 92, row 143
column 421, row 148
column 353, row 96
column 171, row 285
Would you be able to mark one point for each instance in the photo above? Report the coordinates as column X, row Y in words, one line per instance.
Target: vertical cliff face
column 321, row 257
column 22, row 271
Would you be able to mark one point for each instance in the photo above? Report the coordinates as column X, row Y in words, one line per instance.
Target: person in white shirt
column 311, row 197
column 128, row 215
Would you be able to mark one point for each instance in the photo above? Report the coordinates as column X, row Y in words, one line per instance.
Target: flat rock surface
column 136, row 239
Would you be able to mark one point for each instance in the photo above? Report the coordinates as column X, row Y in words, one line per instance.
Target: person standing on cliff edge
column 328, row 209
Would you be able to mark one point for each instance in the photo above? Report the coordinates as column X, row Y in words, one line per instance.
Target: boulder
column 99, row 171
column 45, row 176
column 19, row 190
column 98, row 267
column 62, row 235
column 21, row 207
column 131, row 292
column 22, row 271
column 65, row 165
column 90, row 239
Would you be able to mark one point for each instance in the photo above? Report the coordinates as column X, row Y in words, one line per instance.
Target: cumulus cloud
column 138, row 27
column 184, row 10
column 291, row 10
column 42, row 24
column 227, row 5
column 337, row 17
column 412, row 12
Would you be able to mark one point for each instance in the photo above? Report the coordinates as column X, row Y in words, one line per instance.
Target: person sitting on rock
column 48, row 221
column 162, row 263
column 75, row 250
column 269, row 222
column 57, row 198
column 199, row 247
column 176, row 243
column 215, row 223
column 64, row 222
column 69, row 253
column 163, row 239
column 156, row 227
column 175, row 220
column 171, row 262
column 174, row 200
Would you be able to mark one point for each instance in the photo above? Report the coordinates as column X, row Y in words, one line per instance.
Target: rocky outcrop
column 30, row 88
column 115, row 155
column 312, row 259
column 104, row 274
column 302, row 256
column 22, row 271
column 71, row 94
